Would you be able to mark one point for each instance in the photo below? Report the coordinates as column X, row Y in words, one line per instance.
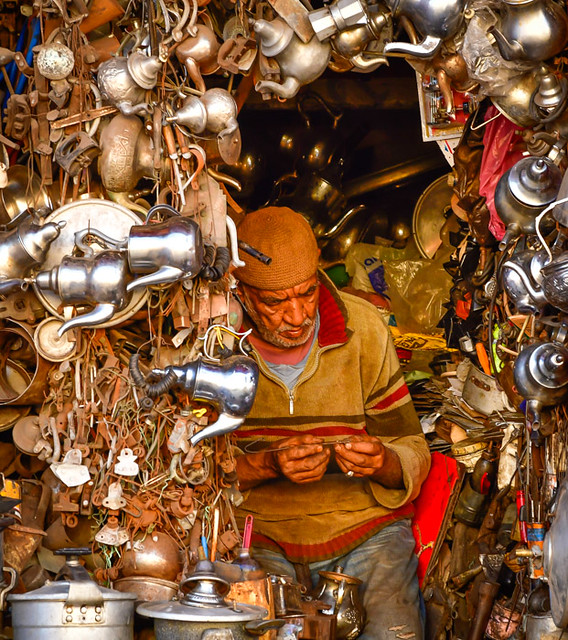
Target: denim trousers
column 386, row 564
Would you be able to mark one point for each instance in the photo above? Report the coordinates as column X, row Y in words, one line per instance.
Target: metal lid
column 535, row 181
column 58, row 591
column 237, row 612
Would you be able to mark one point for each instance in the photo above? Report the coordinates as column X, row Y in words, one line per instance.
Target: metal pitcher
column 341, row 592
column 531, row 29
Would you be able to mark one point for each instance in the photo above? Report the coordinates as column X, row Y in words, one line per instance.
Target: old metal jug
column 521, row 277
column 341, row 592
column 117, row 86
column 98, row 281
column 531, row 29
column 523, row 192
column 166, row 252
column 198, row 53
column 541, row 377
column 300, row 62
column 435, row 21
column 215, row 111
column 23, row 248
column 73, row 607
column 229, row 385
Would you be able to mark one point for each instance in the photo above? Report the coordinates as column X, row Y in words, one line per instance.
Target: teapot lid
column 535, row 181
column 231, row 612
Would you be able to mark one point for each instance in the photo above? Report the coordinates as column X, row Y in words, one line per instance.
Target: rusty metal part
column 20, row 544
column 76, row 152
column 85, row 116
column 18, row 117
column 237, row 55
column 20, row 355
column 295, row 15
column 147, row 589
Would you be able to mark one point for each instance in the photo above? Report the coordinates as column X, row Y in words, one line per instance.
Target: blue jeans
column 387, row 566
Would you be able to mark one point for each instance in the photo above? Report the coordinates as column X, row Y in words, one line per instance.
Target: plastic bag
column 495, row 75
column 417, row 289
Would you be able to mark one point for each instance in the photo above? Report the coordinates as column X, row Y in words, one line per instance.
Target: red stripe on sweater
column 337, row 545
column 332, row 323
column 318, row 431
column 395, row 396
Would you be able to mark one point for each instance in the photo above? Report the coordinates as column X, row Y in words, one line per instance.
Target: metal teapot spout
column 164, row 275
column 101, row 313
column 425, row 49
column 509, row 49
column 225, row 424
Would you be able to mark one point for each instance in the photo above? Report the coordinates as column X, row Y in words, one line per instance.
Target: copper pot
column 155, row 556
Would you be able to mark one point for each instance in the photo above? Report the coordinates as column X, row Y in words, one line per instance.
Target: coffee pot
column 435, row 21
column 300, row 62
column 522, row 277
column 93, row 280
column 531, row 29
column 523, row 192
column 541, row 378
column 229, row 385
column 118, row 86
column 23, row 248
column 215, row 111
column 166, row 252
column 341, row 591
column 198, row 53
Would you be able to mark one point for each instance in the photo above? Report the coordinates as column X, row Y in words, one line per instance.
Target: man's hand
column 367, row 457
column 302, row 458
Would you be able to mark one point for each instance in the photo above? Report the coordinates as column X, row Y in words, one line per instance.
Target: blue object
column 204, row 545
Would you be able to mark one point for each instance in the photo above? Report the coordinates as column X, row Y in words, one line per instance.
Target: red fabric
column 395, row 396
column 498, row 157
column 332, row 323
column 317, row 431
column 430, row 507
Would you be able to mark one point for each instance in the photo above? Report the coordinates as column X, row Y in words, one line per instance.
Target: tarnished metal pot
column 73, row 609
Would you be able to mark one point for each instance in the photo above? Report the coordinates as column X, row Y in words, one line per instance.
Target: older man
column 333, row 453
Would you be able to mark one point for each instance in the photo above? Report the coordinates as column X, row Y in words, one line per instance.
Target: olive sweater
column 352, row 384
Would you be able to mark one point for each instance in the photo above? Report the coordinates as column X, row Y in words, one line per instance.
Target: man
column 333, row 452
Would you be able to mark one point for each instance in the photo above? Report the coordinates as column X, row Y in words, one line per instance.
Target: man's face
column 284, row 318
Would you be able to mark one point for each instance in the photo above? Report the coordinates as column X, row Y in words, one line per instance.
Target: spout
column 287, row 89
column 513, row 231
column 536, row 294
column 164, row 275
column 368, row 64
column 510, row 50
column 225, row 424
column 101, row 313
column 533, row 414
column 425, row 49
column 10, row 285
column 129, row 109
column 342, row 222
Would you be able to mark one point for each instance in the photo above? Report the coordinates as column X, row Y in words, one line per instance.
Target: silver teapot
column 435, row 21
column 523, row 192
column 229, row 385
column 118, row 86
column 522, row 277
column 166, row 252
column 341, row 591
column 300, row 62
column 93, row 280
column 23, row 248
column 531, row 29
column 541, row 378
column 215, row 111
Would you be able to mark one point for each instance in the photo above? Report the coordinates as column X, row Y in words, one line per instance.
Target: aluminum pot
column 74, row 608
column 204, row 614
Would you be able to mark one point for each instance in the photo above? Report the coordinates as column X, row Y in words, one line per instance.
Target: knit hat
column 287, row 238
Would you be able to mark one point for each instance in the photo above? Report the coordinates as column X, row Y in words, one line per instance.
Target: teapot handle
column 335, row 116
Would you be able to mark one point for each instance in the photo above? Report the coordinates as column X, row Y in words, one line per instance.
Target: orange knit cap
column 287, row 238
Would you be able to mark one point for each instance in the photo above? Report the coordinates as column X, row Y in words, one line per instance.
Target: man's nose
column 295, row 312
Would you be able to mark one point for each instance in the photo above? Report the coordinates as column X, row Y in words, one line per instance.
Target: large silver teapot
column 94, row 280
column 522, row 278
column 23, row 248
column 166, row 252
column 531, row 29
column 230, row 386
column 435, row 21
column 541, row 377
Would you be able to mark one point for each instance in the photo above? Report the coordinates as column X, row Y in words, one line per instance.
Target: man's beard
column 274, row 337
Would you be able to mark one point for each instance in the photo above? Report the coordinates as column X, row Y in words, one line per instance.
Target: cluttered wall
column 425, row 144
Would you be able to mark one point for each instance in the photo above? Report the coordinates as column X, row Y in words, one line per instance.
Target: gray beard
column 273, row 337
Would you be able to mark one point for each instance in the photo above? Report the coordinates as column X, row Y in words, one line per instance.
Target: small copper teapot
column 342, row 593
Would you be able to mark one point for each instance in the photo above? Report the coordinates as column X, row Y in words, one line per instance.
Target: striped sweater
column 351, row 384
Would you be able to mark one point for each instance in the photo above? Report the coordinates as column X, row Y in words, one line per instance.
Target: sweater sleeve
column 390, row 415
